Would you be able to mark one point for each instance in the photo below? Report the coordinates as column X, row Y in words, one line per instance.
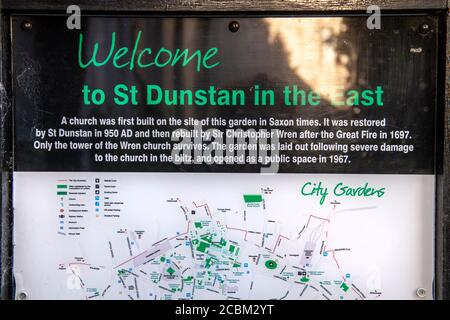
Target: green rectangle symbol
column 252, row 198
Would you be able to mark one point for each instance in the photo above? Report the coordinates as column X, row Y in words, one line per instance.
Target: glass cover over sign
column 219, row 158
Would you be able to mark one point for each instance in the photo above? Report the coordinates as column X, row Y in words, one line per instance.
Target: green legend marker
column 344, row 287
column 198, row 225
column 61, row 193
column 248, row 198
column 61, row 186
column 270, row 264
column 170, row 271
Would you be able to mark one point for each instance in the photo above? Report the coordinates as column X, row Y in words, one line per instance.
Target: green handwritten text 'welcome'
column 125, row 57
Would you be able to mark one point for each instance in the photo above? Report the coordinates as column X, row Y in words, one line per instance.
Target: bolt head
column 424, row 28
column 27, row 25
column 22, row 296
column 421, row 292
column 233, row 26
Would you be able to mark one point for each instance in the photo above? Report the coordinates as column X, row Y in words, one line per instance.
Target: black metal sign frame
column 230, row 8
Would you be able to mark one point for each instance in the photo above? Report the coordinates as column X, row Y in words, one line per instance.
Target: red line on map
column 140, row 254
column 245, row 237
column 79, row 263
column 313, row 216
column 334, row 257
column 335, row 260
column 178, row 235
column 278, row 242
column 208, row 212
column 181, row 234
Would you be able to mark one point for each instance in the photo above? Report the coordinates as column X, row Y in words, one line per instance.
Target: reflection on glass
column 311, row 51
